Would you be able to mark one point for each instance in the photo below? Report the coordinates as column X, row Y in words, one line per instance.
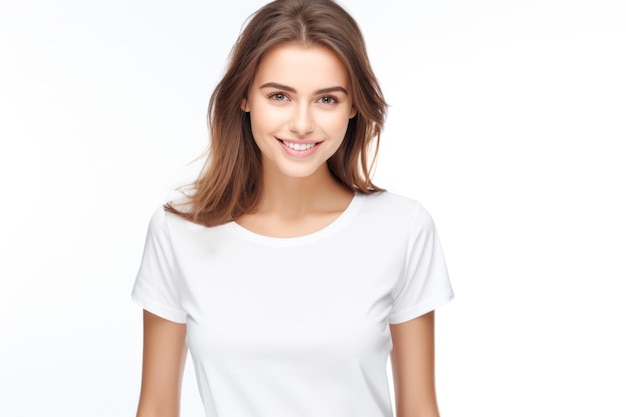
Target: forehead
column 302, row 67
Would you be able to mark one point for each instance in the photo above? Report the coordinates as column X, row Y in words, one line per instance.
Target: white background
column 507, row 123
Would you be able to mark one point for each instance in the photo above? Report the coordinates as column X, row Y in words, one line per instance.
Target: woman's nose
column 302, row 120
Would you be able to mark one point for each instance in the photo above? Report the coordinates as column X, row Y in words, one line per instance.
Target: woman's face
column 300, row 104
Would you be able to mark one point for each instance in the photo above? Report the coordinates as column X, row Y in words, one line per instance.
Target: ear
column 353, row 112
column 244, row 105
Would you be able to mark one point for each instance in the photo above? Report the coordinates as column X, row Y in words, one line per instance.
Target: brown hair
column 229, row 185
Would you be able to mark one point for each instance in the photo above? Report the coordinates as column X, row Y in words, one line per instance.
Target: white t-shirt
column 295, row 326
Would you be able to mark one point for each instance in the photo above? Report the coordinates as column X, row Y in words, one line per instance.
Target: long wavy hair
column 229, row 185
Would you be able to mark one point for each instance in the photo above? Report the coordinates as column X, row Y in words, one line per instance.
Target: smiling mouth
column 299, row 146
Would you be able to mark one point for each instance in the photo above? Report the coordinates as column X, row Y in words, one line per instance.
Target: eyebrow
column 293, row 90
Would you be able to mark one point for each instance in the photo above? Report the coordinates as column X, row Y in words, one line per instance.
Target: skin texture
column 290, row 99
column 413, row 366
column 164, row 354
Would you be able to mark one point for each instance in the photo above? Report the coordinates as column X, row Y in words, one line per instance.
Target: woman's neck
column 291, row 206
column 294, row 197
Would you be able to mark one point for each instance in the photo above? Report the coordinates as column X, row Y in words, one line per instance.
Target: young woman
column 288, row 275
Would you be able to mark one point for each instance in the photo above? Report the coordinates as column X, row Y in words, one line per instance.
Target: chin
column 299, row 170
column 298, row 173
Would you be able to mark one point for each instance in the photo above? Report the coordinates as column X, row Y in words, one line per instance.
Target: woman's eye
column 328, row 100
column 278, row 97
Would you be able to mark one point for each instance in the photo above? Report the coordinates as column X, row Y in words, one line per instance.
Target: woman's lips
column 299, row 148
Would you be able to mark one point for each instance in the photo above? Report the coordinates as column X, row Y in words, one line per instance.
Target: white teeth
column 299, row 146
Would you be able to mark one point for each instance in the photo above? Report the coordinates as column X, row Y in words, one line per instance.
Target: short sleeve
column 425, row 285
column 156, row 288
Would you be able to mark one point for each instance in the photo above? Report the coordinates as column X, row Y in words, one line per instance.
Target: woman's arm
column 413, row 366
column 164, row 354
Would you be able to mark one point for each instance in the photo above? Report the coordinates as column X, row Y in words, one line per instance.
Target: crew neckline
column 334, row 226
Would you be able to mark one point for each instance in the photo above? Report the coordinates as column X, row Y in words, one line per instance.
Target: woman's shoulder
column 170, row 214
column 396, row 208
column 389, row 200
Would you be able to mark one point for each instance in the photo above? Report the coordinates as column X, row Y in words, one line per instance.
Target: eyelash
column 273, row 96
column 334, row 99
